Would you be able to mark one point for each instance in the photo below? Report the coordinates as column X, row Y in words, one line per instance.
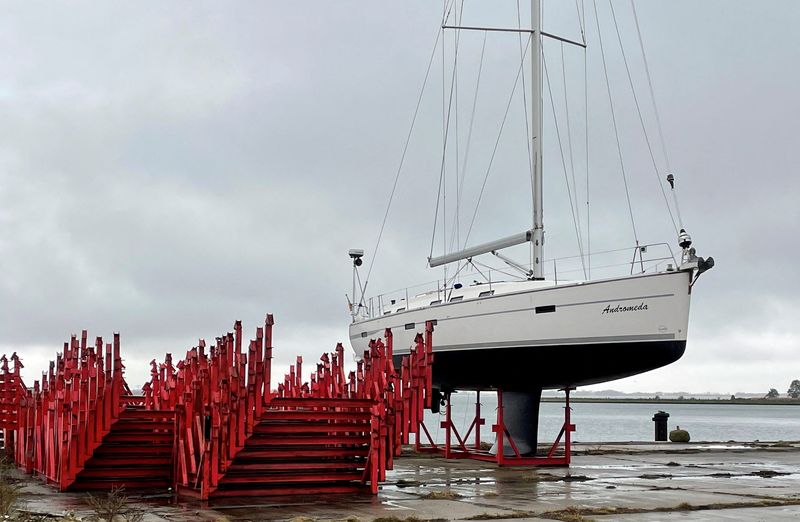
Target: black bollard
column 660, row 418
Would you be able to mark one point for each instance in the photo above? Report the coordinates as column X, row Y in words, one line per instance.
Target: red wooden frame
column 463, row 448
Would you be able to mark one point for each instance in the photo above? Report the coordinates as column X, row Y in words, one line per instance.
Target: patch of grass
column 569, row 514
column 9, row 491
column 652, row 476
column 579, row 514
column 113, row 505
column 566, row 478
column 440, row 495
column 502, row 516
column 549, row 477
column 767, row 473
column 672, row 463
column 575, row 478
column 412, row 518
column 31, row 516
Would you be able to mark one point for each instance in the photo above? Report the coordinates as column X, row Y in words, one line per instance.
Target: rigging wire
column 471, row 124
column 442, row 194
column 460, row 171
column 650, row 86
column 655, row 108
column 459, row 19
column 571, row 158
column 455, row 240
column 582, row 21
column 445, row 121
column 402, row 161
column 569, row 127
column 641, row 118
column 525, row 103
column 563, row 161
column 497, row 142
column 499, row 271
column 614, row 121
column 581, row 15
column 527, row 124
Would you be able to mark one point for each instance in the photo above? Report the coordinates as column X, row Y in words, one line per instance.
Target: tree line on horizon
column 793, row 391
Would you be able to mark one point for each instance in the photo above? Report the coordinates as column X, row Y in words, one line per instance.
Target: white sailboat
column 536, row 333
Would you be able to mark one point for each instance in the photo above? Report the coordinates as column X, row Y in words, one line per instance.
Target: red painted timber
column 77, row 429
column 210, row 425
column 229, row 423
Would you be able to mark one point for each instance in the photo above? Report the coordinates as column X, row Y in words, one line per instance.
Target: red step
column 129, row 484
column 342, row 476
column 310, row 440
column 132, row 449
column 272, row 453
column 141, row 471
column 264, row 429
column 304, row 489
column 139, row 436
column 293, row 415
column 125, row 460
column 296, row 465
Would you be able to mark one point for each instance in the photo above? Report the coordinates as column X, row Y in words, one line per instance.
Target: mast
column 536, row 135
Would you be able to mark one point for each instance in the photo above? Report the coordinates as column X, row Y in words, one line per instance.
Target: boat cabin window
column 387, row 312
column 438, row 301
column 456, row 298
column 401, row 309
column 487, row 293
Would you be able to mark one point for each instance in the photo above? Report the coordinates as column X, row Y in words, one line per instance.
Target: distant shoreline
column 750, row 402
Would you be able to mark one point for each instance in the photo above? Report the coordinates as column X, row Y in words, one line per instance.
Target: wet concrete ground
column 648, row 482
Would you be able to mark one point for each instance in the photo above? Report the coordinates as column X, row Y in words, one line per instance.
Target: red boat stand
column 458, row 447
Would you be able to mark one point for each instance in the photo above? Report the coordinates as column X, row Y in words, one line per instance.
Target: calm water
column 599, row 422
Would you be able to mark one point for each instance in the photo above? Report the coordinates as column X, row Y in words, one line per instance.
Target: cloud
column 164, row 172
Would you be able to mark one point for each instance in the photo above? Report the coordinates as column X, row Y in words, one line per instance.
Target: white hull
column 641, row 321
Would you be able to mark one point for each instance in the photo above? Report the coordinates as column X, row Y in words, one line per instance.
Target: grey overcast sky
column 166, row 168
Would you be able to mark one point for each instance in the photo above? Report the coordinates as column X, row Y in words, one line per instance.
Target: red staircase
column 236, row 438
column 303, row 446
column 82, row 429
column 210, row 425
column 136, row 454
